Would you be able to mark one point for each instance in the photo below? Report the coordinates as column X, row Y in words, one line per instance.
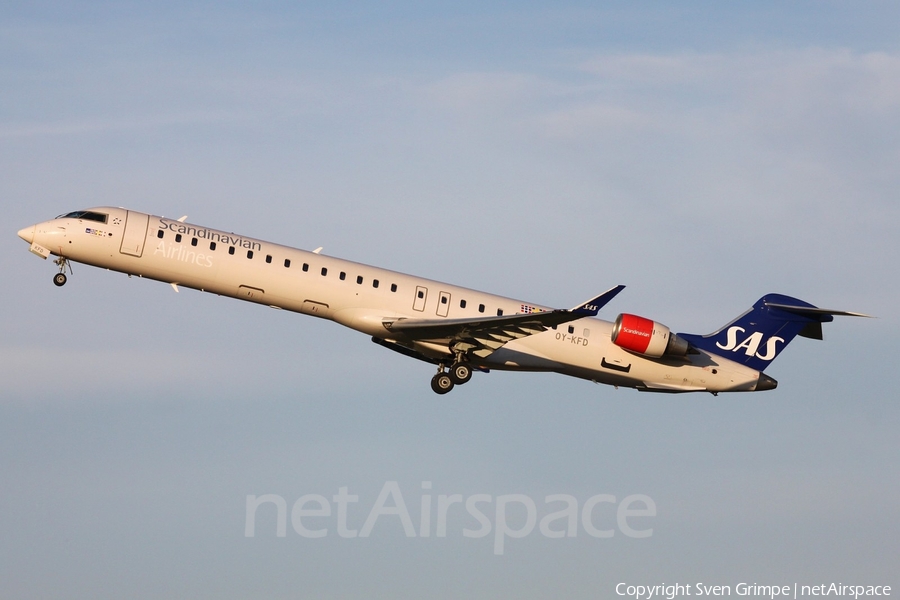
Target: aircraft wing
column 483, row 335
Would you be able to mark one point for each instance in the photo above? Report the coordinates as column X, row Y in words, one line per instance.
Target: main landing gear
column 458, row 374
column 60, row 278
column 441, row 383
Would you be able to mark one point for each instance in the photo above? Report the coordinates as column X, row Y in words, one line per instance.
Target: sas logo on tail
column 751, row 343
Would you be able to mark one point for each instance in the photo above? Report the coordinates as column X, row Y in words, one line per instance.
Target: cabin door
column 135, row 233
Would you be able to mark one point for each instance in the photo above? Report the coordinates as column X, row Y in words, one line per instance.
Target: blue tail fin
column 759, row 335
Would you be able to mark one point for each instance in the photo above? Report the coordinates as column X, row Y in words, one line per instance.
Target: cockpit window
column 86, row 215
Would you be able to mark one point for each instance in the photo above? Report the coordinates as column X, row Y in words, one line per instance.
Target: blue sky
column 703, row 154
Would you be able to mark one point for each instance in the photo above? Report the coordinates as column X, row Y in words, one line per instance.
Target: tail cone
column 765, row 383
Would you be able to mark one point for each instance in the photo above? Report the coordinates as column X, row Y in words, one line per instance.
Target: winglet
column 593, row 306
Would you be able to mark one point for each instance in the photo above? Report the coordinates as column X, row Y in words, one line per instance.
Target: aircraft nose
column 765, row 383
column 27, row 234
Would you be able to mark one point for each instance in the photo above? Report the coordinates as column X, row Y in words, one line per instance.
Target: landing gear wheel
column 441, row 383
column 62, row 262
column 460, row 373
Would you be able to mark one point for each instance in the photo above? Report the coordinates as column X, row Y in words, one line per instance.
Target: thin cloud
column 106, row 125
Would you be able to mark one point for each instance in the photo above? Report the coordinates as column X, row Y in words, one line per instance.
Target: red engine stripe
column 635, row 333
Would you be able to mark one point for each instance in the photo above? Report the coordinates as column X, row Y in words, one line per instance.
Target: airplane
column 459, row 330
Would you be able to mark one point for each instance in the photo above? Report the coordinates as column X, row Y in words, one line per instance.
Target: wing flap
column 483, row 335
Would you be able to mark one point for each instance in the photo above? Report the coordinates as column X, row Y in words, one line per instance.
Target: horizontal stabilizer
column 810, row 310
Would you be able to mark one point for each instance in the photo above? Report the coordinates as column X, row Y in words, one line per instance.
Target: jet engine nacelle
column 646, row 337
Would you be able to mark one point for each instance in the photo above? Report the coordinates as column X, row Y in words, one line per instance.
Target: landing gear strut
column 60, row 278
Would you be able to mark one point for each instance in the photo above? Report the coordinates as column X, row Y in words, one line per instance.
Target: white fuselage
column 362, row 297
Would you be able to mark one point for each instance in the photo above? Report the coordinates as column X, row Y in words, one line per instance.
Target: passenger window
column 212, row 245
column 268, row 258
column 499, row 312
column 178, row 237
column 230, row 249
column 160, row 234
column 374, row 283
column 571, row 329
column 324, row 271
column 587, row 333
column 481, row 308
column 343, row 276
column 193, row 241
column 305, row 267
column 287, row 263
column 443, row 299
column 359, row 279
column 393, row 287
column 462, row 303
column 249, row 253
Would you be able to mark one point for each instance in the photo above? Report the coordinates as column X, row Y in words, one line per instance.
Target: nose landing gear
column 60, row 278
